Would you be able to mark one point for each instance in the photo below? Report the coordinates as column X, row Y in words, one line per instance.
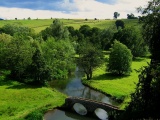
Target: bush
column 120, row 59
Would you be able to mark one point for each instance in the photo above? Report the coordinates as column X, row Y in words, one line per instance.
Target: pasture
column 41, row 24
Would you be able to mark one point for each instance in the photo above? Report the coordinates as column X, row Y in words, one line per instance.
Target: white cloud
column 78, row 9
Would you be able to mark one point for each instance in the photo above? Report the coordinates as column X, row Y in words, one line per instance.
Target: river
column 74, row 87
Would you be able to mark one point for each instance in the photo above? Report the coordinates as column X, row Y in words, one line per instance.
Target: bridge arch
column 101, row 114
column 80, row 108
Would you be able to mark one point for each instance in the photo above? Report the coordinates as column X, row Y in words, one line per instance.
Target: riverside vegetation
column 45, row 50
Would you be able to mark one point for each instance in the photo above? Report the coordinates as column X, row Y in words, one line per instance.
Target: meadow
column 17, row 100
column 41, row 24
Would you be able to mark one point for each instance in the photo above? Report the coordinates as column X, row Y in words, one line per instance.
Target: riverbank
column 118, row 87
column 19, row 100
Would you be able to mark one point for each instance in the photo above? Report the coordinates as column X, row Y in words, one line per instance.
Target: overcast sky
column 101, row 9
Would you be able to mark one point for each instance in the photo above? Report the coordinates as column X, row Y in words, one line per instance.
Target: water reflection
column 101, row 114
column 64, row 115
column 74, row 87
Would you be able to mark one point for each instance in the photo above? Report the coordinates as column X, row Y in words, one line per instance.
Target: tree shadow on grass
column 11, row 84
column 22, row 86
column 139, row 59
column 109, row 76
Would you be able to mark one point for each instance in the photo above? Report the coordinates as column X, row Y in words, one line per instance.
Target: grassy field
column 41, row 24
column 18, row 100
column 118, row 87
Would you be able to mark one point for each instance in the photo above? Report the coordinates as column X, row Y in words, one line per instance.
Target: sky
column 90, row 9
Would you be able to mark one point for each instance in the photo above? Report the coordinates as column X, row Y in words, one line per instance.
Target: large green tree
column 59, row 57
column 120, row 59
column 17, row 55
column 145, row 101
column 37, row 72
column 89, row 58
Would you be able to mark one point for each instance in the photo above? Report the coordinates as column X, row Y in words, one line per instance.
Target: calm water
column 74, row 87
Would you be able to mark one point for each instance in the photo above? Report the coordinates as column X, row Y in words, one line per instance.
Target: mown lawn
column 18, row 100
column 116, row 86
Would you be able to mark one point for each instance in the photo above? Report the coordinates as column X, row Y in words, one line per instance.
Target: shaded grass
column 119, row 87
column 18, row 100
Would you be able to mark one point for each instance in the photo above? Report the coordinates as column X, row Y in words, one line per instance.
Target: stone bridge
column 91, row 105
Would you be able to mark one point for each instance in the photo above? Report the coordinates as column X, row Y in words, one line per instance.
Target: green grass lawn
column 18, row 100
column 118, row 87
column 41, row 24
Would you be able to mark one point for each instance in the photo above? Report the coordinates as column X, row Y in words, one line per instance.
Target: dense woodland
column 36, row 58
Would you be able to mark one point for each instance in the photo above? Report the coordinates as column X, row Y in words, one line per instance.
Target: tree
column 131, row 16
column 59, row 57
column 89, row 59
column 106, row 37
column 20, row 59
column 132, row 38
column 116, row 15
column 120, row 59
column 145, row 101
column 18, row 29
column 85, row 30
column 119, row 23
column 56, row 30
column 37, row 72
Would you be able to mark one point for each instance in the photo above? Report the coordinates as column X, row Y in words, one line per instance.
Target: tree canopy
column 145, row 101
column 116, row 15
column 120, row 59
column 132, row 38
column 89, row 58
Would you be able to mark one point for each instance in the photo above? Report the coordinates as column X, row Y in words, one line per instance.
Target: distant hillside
column 41, row 24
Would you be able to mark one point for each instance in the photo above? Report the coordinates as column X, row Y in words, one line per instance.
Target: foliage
column 116, row 15
column 91, row 35
column 11, row 29
column 132, row 38
column 131, row 16
column 20, row 58
column 58, row 56
column 119, row 24
column 106, row 37
column 120, row 59
column 145, row 100
column 56, row 30
column 89, row 59
column 37, row 71
column 151, row 23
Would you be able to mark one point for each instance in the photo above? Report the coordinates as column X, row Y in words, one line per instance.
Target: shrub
column 120, row 59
